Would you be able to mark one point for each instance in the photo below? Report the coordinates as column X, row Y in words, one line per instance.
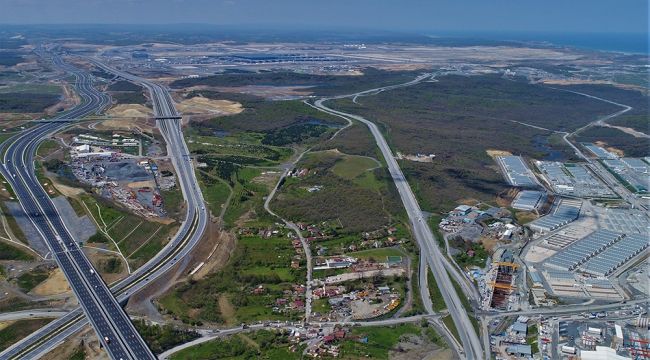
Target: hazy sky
column 414, row 15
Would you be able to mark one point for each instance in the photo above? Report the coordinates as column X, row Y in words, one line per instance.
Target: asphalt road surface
column 174, row 252
column 471, row 343
column 114, row 328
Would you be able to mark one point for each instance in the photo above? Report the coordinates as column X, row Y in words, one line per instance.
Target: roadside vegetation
column 138, row 239
column 20, row 102
column 11, row 252
column 17, row 330
column 160, row 338
column 29, row 280
column 458, row 118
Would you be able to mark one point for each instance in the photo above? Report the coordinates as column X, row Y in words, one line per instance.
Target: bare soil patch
column 66, row 190
column 143, row 123
column 204, row 105
column 494, row 153
column 227, row 310
column 129, row 111
column 55, row 284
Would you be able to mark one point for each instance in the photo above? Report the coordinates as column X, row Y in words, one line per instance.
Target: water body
column 221, row 133
column 541, row 144
column 313, row 121
column 633, row 43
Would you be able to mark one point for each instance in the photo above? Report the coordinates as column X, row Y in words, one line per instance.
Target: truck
column 568, row 349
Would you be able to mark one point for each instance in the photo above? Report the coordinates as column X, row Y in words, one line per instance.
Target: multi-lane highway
column 113, row 326
column 174, row 252
column 471, row 343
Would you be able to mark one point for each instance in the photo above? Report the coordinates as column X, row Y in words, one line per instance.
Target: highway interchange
column 176, row 250
column 113, row 326
column 102, row 308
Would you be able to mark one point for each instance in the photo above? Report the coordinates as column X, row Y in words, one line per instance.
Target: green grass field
column 10, row 252
column 377, row 254
column 18, row 330
column 29, row 280
column 381, row 340
column 352, row 166
column 262, row 344
column 215, row 191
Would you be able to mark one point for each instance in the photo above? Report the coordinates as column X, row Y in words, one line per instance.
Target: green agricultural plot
column 262, row 344
column 255, row 262
column 377, row 254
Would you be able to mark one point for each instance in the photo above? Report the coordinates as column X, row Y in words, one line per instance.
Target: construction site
column 131, row 180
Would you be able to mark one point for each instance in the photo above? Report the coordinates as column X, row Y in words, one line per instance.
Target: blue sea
column 634, row 43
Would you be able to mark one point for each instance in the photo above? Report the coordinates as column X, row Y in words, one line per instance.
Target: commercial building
column 599, row 152
column 519, row 350
column 573, row 179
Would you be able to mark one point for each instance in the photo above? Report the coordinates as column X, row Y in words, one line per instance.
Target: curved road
column 174, row 252
column 471, row 343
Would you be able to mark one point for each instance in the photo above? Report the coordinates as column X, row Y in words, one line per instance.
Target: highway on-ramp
column 174, row 252
column 114, row 328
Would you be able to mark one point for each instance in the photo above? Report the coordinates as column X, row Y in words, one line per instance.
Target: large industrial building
column 616, row 255
column 565, row 212
column 529, row 200
column 517, row 172
column 582, row 250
